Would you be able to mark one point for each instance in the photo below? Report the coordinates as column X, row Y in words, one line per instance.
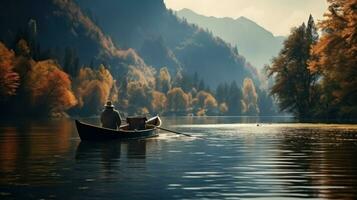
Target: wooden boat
column 96, row 133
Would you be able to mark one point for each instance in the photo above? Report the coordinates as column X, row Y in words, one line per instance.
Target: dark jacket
column 110, row 118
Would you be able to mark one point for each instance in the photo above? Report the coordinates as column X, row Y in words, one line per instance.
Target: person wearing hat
column 110, row 117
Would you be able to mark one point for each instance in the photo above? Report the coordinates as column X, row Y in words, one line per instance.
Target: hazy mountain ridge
column 141, row 23
column 254, row 42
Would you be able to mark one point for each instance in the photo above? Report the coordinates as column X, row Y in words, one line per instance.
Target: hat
column 109, row 105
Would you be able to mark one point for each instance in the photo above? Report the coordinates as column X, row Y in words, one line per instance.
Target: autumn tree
column 177, row 100
column 250, row 98
column 139, row 98
column 9, row 79
column 201, row 96
column 205, row 101
column 158, row 102
column 24, row 65
column 223, row 108
column 293, row 79
column 23, row 62
column 164, row 80
column 210, row 104
column 334, row 58
column 42, row 88
column 93, row 89
column 140, row 85
column 50, row 89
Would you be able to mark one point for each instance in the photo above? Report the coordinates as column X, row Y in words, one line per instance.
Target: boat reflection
column 136, row 149
column 109, row 154
column 109, row 151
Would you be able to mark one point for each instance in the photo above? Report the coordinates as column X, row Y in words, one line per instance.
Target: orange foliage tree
column 334, row 57
column 9, row 80
column 50, row 88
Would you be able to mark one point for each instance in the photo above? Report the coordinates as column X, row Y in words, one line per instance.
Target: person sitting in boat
column 110, row 117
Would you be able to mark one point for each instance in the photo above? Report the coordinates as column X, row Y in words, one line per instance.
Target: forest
column 42, row 87
column 73, row 69
column 315, row 76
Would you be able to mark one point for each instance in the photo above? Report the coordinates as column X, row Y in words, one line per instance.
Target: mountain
column 134, row 40
column 122, row 34
column 253, row 41
column 56, row 28
column 165, row 40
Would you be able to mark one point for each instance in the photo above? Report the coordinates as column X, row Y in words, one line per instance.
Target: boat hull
column 88, row 132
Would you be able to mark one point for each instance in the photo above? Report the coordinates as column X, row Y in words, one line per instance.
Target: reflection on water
column 254, row 159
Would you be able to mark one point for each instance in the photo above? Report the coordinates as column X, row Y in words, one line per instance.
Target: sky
column 277, row 16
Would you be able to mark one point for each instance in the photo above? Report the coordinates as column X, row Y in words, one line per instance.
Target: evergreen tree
column 201, row 85
column 234, row 99
column 220, row 93
column 71, row 62
column 195, row 80
column 293, row 79
column 265, row 103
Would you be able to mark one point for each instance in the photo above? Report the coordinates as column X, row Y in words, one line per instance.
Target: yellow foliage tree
column 223, row 108
column 139, row 96
column 158, row 102
column 210, row 103
column 250, row 97
column 178, row 100
column 205, row 100
column 164, row 82
column 94, row 88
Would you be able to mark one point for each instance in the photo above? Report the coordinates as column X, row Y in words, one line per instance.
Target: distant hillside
column 121, row 34
column 162, row 39
column 136, row 52
column 56, row 28
column 253, row 41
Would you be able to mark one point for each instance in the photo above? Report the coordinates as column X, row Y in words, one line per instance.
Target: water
column 47, row 160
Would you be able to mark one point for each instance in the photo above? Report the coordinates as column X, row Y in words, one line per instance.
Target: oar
column 168, row 130
column 176, row 132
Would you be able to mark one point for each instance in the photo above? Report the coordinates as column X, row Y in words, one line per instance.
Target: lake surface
column 239, row 158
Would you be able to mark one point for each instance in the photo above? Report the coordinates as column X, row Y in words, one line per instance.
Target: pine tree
column 234, row 99
column 293, row 79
